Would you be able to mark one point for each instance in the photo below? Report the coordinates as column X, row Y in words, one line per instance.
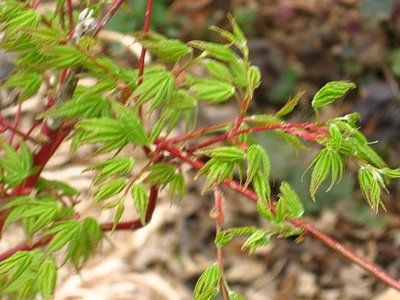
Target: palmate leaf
column 160, row 174
column 170, row 50
column 63, row 56
column 110, row 189
column 212, row 90
column 82, row 238
column 207, row 286
column 16, row 165
column 82, row 106
column 113, row 133
column 158, row 86
column 119, row 165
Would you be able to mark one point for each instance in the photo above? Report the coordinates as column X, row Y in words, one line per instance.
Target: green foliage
column 141, row 200
column 113, row 133
column 212, row 90
column 80, row 237
column 207, row 286
column 15, row 166
column 170, row 50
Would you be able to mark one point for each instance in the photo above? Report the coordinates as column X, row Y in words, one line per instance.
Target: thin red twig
column 307, row 131
column 70, row 16
column 110, row 12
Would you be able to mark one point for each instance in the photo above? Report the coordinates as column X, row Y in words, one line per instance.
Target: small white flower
column 85, row 26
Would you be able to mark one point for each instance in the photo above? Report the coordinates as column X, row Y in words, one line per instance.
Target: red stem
column 14, row 128
column 299, row 129
column 103, row 21
column 146, row 28
column 371, row 268
column 70, row 17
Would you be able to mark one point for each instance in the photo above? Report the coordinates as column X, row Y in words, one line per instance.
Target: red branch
column 371, row 268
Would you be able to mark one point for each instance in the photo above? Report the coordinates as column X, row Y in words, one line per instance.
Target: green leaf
column 160, row 174
column 82, row 106
column 258, row 162
column 220, row 52
column 261, row 187
column 211, row 90
column 227, row 153
column 47, row 278
column 113, row 133
column 371, row 182
column 118, row 214
column 119, row 165
column 330, row 92
column 223, row 238
column 16, row 166
column 256, row 240
column 291, row 201
column 30, row 82
column 327, row 161
column 177, row 187
column 207, row 286
column 158, row 86
column 110, row 189
column 290, row 105
column 43, row 185
column 141, row 200
column 218, row 70
column 239, row 72
column 253, row 78
column 217, row 170
column 63, row 56
column 170, row 50
column 64, row 232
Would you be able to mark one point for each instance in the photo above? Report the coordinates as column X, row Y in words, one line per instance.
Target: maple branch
column 328, row 241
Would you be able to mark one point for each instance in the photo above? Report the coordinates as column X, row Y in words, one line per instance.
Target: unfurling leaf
column 371, row 182
column 218, row 70
column 207, row 286
column 327, row 161
column 256, row 240
column 290, row 105
column 330, row 92
column 218, row 51
column 291, row 201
